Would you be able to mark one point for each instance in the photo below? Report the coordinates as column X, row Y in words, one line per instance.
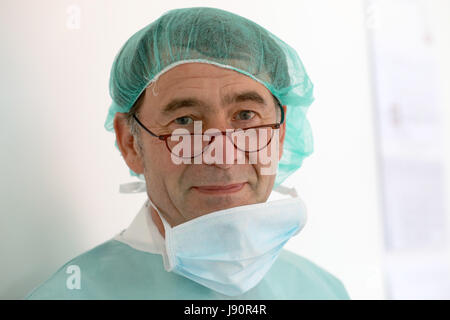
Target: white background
column 60, row 171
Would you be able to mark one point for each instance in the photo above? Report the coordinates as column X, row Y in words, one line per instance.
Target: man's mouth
column 230, row 188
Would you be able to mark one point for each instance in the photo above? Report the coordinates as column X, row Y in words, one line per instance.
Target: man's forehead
column 194, row 81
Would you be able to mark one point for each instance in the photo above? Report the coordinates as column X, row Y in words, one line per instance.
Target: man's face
column 185, row 191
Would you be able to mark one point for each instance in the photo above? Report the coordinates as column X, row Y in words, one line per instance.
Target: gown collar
column 143, row 235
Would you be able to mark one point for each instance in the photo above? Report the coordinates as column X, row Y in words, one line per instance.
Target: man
column 209, row 110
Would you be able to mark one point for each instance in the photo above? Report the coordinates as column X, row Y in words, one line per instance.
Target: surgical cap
column 224, row 39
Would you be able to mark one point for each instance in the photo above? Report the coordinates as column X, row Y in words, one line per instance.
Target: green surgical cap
column 224, row 39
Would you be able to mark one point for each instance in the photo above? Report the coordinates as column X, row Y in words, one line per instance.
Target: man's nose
column 226, row 155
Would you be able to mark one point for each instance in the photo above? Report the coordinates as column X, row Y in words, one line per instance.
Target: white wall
column 60, row 171
column 439, row 10
column 339, row 181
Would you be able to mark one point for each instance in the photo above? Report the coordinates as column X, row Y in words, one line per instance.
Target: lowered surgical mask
column 231, row 250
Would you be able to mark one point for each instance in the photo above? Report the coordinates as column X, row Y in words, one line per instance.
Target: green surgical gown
column 117, row 270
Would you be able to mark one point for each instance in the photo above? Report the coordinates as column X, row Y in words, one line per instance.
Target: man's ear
column 127, row 144
column 282, row 134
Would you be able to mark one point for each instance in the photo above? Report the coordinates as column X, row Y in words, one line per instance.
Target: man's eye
column 246, row 115
column 183, row 120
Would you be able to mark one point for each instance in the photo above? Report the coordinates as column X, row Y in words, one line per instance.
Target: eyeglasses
column 252, row 139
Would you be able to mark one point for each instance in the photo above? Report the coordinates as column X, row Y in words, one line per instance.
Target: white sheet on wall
column 414, row 204
column 410, row 137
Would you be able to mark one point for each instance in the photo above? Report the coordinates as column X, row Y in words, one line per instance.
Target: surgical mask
column 231, row 250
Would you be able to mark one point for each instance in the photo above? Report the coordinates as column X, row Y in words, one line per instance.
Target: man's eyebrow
column 245, row 96
column 176, row 104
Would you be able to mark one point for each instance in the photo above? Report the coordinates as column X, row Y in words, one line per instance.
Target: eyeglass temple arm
column 282, row 113
column 140, row 123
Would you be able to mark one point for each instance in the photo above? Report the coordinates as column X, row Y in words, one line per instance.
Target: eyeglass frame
column 164, row 137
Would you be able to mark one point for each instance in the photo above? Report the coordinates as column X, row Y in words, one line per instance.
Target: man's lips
column 230, row 188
